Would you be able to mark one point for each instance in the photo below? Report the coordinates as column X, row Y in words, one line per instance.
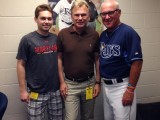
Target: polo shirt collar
column 73, row 31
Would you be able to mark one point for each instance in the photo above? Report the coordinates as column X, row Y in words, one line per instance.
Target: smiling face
column 44, row 22
column 110, row 14
column 80, row 16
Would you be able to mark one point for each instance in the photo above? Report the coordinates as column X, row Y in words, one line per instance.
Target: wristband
column 130, row 85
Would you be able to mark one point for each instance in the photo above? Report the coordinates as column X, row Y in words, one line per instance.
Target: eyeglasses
column 110, row 13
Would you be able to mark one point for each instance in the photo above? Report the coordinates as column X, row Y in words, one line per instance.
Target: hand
column 96, row 90
column 24, row 96
column 128, row 98
column 64, row 90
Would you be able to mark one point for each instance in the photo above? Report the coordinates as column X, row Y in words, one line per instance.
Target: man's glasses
column 110, row 13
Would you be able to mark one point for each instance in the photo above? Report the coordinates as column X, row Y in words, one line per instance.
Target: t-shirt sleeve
column 22, row 49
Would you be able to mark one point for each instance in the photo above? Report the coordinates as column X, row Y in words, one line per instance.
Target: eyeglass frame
column 110, row 13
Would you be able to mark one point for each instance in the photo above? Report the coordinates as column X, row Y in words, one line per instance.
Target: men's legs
column 87, row 106
column 125, row 112
column 108, row 109
column 115, row 94
column 72, row 100
column 134, row 108
column 36, row 108
column 87, row 109
column 54, row 107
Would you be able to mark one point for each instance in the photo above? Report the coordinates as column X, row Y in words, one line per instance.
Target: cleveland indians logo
column 107, row 51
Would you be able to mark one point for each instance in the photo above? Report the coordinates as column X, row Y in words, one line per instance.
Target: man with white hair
column 120, row 64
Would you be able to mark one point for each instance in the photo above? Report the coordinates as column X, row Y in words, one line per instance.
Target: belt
column 114, row 81
column 79, row 80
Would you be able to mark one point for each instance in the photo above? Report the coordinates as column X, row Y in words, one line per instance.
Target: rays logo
column 107, row 51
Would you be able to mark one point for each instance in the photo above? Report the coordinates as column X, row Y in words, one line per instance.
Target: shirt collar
column 73, row 31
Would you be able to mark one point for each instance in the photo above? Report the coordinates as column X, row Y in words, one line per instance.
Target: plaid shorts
column 51, row 101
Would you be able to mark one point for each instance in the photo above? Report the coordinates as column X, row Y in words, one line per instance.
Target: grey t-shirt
column 40, row 55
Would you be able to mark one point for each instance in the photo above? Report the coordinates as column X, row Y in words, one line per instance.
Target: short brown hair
column 43, row 7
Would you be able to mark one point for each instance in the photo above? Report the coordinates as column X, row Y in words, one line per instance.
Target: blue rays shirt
column 118, row 49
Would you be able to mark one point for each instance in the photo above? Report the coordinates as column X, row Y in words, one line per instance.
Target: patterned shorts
column 51, row 102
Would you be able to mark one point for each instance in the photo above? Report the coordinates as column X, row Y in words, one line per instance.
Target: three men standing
column 78, row 52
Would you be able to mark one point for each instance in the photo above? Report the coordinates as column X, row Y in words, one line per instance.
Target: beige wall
column 144, row 16
column 16, row 19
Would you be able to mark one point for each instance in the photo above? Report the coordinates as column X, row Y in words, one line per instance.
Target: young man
column 77, row 53
column 120, row 64
column 38, row 70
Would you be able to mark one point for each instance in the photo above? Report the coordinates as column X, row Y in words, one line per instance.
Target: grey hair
column 79, row 3
column 112, row 1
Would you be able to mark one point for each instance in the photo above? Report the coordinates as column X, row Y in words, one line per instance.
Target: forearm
column 133, row 79
column 21, row 75
column 135, row 72
column 97, row 68
column 60, row 68
column 63, row 85
column 97, row 87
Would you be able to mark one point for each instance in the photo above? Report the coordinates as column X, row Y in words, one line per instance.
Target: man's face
column 110, row 15
column 44, row 21
column 80, row 16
